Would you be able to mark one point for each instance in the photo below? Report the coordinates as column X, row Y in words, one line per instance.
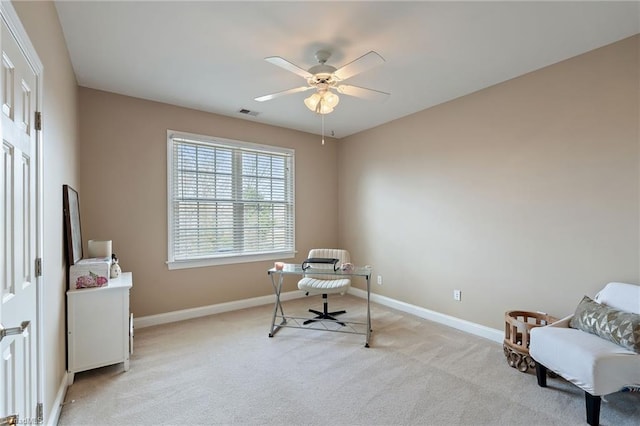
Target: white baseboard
column 185, row 314
column 460, row 324
column 56, row 409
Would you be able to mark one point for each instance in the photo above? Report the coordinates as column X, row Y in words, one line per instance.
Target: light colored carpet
column 224, row 369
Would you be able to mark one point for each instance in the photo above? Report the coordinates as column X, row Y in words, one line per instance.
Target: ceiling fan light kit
column 322, row 102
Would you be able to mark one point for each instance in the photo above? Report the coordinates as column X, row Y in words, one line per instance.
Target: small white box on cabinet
column 89, row 273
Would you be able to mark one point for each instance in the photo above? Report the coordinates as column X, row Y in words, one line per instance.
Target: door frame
column 10, row 17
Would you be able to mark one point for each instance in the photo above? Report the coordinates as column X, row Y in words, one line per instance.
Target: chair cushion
column 619, row 327
column 320, row 286
column 596, row 365
column 625, row 297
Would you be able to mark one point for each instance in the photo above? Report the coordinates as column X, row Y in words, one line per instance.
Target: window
column 228, row 201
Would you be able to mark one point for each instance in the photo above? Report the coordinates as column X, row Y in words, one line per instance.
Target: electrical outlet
column 457, row 295
column 379, row 279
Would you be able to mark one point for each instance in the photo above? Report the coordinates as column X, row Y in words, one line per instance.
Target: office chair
column 325, row 284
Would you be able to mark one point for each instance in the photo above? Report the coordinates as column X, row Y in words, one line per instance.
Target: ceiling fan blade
column 362, row 64
column 362, row 92
column 283, row 63
column 284, row 92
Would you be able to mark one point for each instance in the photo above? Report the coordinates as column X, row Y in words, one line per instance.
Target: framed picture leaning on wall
column 73, row 233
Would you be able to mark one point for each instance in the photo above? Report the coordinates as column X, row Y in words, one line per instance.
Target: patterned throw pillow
column 620, row 327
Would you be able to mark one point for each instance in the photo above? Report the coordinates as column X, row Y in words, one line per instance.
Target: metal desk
column 351, row 327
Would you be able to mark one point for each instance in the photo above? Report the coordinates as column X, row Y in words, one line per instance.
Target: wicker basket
column 517, row 326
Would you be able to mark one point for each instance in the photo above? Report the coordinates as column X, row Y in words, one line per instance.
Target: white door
column 18, row 347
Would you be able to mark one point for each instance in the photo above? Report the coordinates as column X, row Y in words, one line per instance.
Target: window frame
column 234, row 258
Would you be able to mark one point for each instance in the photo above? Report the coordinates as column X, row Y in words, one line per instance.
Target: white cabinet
column 99, row 327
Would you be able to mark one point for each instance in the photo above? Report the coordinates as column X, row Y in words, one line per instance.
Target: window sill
column 229, row 260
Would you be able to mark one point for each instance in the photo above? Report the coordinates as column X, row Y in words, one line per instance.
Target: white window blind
column 229, row 200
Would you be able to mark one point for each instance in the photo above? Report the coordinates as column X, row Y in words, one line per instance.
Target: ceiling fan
column 325, row 78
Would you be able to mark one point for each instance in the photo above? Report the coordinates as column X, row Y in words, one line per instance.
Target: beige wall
column 524, row 195
column 124, row 197
column 60, row 152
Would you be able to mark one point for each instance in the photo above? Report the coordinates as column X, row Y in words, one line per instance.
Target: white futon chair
column 593, row 362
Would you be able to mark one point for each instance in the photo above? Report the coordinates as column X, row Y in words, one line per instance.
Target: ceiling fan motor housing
column 322, row 69
column 322, row 73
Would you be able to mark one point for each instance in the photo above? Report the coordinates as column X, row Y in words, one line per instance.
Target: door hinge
column 38, row 120
column 38, row 267
column 39, row 413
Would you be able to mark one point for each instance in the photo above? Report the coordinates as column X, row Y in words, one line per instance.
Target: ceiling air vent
column 248, row 112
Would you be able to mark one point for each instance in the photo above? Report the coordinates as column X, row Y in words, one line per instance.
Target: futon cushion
column 619, row 327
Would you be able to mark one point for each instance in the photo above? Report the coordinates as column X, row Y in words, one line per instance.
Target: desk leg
column 366, row 345
column 277, row 289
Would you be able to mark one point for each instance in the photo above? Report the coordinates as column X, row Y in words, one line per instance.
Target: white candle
column 98, row 248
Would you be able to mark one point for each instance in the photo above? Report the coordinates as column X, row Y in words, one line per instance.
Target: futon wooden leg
column 593, row 409
column 541, row 374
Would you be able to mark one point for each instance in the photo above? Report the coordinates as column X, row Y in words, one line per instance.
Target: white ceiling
column 209, row 55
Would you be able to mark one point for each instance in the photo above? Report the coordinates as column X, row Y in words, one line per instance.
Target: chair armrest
column 562, row 323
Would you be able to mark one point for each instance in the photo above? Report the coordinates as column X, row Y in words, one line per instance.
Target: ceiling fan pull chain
column 322, row 115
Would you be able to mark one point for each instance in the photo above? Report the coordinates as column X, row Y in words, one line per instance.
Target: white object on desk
column 98, row 248
column 99, row 326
